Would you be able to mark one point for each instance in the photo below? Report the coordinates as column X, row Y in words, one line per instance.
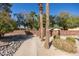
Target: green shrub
column 70, row 40
column 64, row 45
column 56, row 37
column 4, row 28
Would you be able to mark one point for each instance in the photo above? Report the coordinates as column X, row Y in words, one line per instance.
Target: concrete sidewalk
column 34, row 47
column 28, row 48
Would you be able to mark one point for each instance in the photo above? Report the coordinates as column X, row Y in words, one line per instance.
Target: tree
column 5, row 18
column 5, row 6
column 36, row 22
column 51, row 24
column 4, row 11
column 27, row 19
column 41, row 20
column 24, row 19
column 14, row 24
column 44, row 20
column 20, row 19
column 65, row 20
column 6, row 23
column 57, row 21
column 47, row 26
column 72, row 22
column 31, row 20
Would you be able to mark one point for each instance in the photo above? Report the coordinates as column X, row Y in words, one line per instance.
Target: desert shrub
column 64, row 45
column 71, row 40
column 57, row 43
column 56, row 37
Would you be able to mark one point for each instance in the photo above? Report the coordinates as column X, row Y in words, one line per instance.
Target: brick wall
column 65, row 32
column 61, row 32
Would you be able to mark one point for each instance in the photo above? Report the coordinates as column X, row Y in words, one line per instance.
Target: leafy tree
column 56, row 20
column 6, row 22
column 65, row 20
column 5, row 7
column 20, row 19
column 52, row 22
column 72, row 22
column 36, row 22
column 27, row 19
column 31, row 19
column 14, row 24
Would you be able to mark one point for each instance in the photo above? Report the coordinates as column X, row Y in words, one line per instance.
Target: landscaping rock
column 10, row 49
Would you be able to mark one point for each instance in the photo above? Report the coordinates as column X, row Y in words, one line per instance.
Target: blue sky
column 55, row 8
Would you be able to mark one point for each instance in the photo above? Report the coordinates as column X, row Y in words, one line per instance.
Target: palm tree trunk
column 41, row 21
column 47, row 26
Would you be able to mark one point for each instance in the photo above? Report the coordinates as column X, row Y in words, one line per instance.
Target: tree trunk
column 47, row 26
column 41, row 21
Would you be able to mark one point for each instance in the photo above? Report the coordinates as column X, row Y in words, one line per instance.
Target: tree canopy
column 65, row 20
column 6, row 22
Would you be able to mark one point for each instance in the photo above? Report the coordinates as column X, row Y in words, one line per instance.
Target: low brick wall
column 60, row 32
column 65, row 32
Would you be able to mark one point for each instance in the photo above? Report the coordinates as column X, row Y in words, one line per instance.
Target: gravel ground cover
column 14, row 41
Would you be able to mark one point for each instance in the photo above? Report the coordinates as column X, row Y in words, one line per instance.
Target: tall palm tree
column 47, row 26
column 41, row 20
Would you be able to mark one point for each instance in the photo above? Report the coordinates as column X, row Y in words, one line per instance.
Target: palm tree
column 47, row 26
column 41, row 20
